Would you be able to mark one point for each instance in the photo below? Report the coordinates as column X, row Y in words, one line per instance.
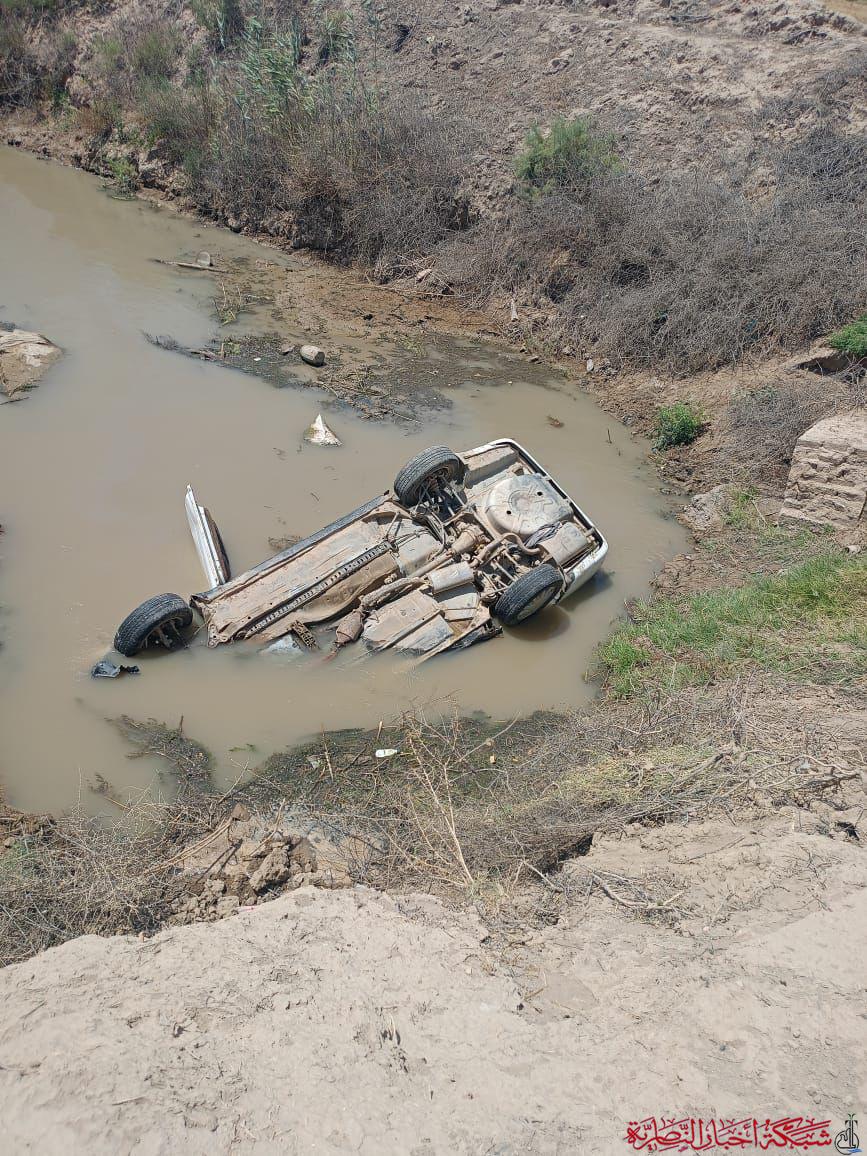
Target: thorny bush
column 689, row 273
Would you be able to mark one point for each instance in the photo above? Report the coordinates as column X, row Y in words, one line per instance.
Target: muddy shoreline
column 396, row 310
column 393, row 312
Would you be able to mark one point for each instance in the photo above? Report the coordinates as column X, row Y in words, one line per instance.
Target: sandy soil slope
column 682, row 82
column 353, row 1022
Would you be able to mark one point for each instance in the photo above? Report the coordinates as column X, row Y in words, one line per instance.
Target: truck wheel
column 436, row 464
column 528, row 594
column 156, row 622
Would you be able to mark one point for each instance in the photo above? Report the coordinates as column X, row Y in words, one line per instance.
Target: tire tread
column 411, row 478
column 524, row 589
column 132, row 634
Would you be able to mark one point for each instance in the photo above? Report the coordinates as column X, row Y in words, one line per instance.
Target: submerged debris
column 278, row 545
column 105, row 668
column 368, row 388
column 151, row 737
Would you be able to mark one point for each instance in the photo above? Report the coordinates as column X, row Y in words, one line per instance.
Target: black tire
column 141, row 628
column 437, row 463
column 528, row 594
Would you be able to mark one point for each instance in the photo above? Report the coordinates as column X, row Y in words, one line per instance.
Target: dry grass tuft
column 762, row 426
column 85, row 876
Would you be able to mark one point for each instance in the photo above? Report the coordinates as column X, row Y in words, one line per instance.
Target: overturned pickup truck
column 464, row 545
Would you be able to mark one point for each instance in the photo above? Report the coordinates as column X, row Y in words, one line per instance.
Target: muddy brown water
column 93, row 467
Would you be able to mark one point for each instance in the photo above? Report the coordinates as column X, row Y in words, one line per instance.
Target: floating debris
column 319, row 434
column 108, row 669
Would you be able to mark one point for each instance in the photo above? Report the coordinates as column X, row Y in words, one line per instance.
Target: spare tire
column 528, row 594
column 439, row 463
column 156, row 621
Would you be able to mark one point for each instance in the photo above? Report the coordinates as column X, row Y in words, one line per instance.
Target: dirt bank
column 352, row 1022
column 683, row 83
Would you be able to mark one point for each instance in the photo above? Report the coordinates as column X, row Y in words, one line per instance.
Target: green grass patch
column 851, row 339
column 677, row 425
column 742, row 511
column 811, row 619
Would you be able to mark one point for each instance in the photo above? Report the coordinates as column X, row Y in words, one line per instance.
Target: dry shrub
column 31, row 71
column 466, row 807
column 480, row 261
column 531, row 816
column 138, row 53
column 322, row 158
column 691, row 273
column 831, row 163
column 764, row 424
column 249, row 158
column 20, row 72
column 839, row 89
column 382, row 180
column 183, row 120
column 463, row 809
column 100, row 118
column 87, row 876
column 368, row 180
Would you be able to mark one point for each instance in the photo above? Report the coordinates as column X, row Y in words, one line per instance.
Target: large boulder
column 24, row 357
column 828, row 476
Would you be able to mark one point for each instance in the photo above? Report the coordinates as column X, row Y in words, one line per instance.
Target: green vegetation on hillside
column 851, row 339
column 570, row 154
